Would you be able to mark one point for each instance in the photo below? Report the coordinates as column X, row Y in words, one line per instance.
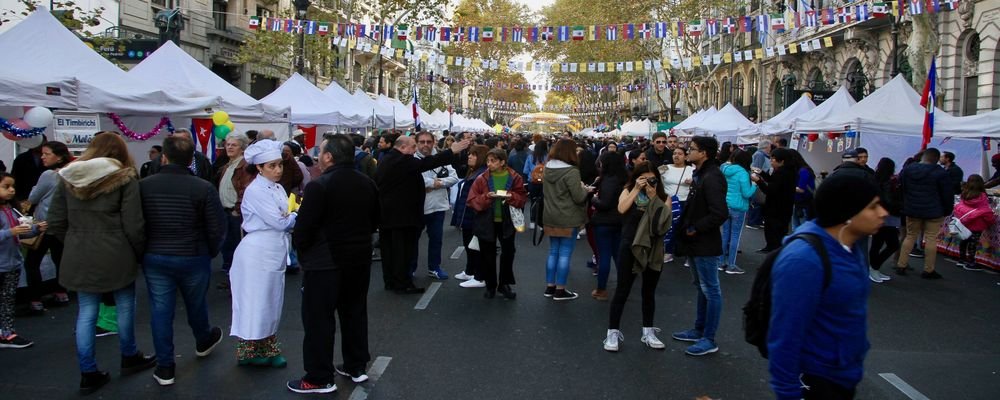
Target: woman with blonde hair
column 104, row 239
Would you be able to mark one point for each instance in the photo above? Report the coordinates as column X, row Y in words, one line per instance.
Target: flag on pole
column 927, row 101
column 414, row 106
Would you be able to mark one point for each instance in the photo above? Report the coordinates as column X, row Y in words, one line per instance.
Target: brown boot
column 599, row 294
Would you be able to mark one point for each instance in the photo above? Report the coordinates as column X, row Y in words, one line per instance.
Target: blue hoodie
column 816, row 331
column 739, row 187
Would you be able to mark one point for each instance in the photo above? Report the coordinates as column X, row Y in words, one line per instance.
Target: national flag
column 694, row 28
column 547, row 33
column 472, row 34
column 445, row 33
column 811, row 19
column 402, row 32
column 517, row 34
column 952, row 4
column 927, row 100
column 416, row 115
column 310, row 27
column 323, row 28
column 457, row 33
column 861, row 13
column 729, row 25
column 916, row 7
column 578, row 32
column 880, row 10
column 680, row 29
column 898, row 7
column 360, row 30
column 933, row 6
column 792, row 19
column 746, row 24
column 488, row 34
column 593, row 32
column 828, row 17
column 563, row 33
column 297, row 26
column 533, row 34
column 762, row 27
column 645, row 31
column 843, row 15
column 274, row 24
column 629, row 31
column 611, row 32
column 254, row 22
column 712, row 26
column 777, row 23
column 660, row 30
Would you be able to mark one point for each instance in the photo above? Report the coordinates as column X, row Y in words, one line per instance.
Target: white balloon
column 30, row 143
column 38, row 117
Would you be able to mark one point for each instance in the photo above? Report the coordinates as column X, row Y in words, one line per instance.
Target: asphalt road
column 938, row 337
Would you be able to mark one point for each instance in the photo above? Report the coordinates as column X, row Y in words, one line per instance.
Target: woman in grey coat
column 55, row 155
column 96, row 211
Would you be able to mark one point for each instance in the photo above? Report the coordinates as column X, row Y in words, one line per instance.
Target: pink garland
column 140, row 136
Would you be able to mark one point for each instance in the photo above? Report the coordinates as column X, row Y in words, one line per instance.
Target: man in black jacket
column 401, row 194
column 339, row 213
column 199, row 166
column 658, row 154
column 700, row 241
column 927, row 198
column 185, row 228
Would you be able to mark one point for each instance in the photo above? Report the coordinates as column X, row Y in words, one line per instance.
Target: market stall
column 988, row 254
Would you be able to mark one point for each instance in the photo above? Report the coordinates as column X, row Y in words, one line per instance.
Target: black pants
column 397, row 252
column 885, row 243
column 967, row 248
column 823, row 389
column 342, row 292
column 775, row 229
column 488, row 254
column 472, row 257
column 33, row 266
column 626, row 278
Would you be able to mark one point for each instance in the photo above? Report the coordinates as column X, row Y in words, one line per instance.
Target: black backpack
column 757, row 311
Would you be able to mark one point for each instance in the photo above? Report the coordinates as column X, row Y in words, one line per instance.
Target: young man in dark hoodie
column 817, row 337
column 927, row 199
column 699, row 239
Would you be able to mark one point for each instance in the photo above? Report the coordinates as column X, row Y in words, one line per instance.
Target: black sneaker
column 91, row 381
column 164, row 375
column 301, row 386
column 203, row 350
column 136, row 363
column 101, row 332
column 563, row 294
column 15, row 342
column 356, row 377
column 930, row 275
column 917, row 253
column 971, row 267
column 549, row 291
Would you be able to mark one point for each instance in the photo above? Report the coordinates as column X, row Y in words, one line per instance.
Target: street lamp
column 302, row 7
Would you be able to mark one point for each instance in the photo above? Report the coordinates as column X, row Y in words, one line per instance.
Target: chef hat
column 263, row 151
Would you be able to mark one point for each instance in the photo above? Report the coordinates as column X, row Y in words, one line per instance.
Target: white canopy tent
column 402, row 114
column 726, row 125
column 354, row 114
column 782, row 123
column 638, row 128
column 48, row 52
column 694, row 119
column 839, row 103
column 308, row 104
column 174, row 71
column 383, row 116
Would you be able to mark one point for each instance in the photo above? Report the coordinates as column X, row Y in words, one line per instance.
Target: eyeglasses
column 692, row 149
column 660, row 141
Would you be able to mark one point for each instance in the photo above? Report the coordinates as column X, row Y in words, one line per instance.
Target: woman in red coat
column 492, row 197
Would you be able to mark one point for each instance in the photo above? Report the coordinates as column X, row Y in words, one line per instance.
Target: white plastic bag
column 517, row 218
column 474, row 243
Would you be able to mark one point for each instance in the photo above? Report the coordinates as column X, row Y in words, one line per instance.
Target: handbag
column 957, row 228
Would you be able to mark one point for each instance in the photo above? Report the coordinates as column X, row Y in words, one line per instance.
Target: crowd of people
column 642, row 204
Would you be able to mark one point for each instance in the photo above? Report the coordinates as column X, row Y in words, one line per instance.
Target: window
column 168, row 4
column 219, row 15
column 970, row 84
column 737, row 99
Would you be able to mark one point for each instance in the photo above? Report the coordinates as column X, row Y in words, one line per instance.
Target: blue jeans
column 233, row 236
column 609, row 238
column 86, row 325
column 434, row 224
column 165, row 275
column 732, row 229
column 560, row 252
column 706, row 278
column 800, row 214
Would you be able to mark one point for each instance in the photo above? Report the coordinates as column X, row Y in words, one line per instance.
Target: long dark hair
column 742, row 159
column 541, row 151
column 613, row 165
column 973, row 188
column 726, row 151
column 642, row 168
column 787, row 157
column 480, row 152
column 60, row 150
column 884, row 170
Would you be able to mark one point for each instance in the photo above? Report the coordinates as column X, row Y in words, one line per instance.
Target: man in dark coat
column 851, row 165
column 699, row 239
column 27, row 167
column 927, row 198
column 658, row 154
column 200, row 165
column 401, row 194
column 955, row 174
column 335, row 250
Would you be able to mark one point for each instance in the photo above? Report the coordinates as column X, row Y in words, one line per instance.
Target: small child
column 975, row 213
column 11, row 261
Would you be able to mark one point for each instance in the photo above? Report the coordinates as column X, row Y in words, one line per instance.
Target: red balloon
column 10, row 136
column 813, row 137
column 18, row 123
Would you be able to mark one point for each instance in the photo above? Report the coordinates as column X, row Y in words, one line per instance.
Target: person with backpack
column 885, row 242
column 816, row 337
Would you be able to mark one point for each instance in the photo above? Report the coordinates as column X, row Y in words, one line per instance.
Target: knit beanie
column 842, row 196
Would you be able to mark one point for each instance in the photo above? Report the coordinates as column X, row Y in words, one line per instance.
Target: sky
column 531, row 76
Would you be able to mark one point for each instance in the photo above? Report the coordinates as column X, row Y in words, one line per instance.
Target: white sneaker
column 873, row 275
column 611, row 342
column 462, row 276
column 668, row 258
column 882, row 276
column 650, row 339
column 473, row 283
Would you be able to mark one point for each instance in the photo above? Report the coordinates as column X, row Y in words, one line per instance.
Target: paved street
column 939, row 337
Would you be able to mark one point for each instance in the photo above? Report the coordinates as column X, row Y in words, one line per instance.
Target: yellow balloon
column 220, row 117
column 230, row 125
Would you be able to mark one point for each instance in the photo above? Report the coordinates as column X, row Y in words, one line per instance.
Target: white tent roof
column 14, row 83
column 699, row 116
column 309, row 105
column 782, row 123
column 643, row 127
column 975, row 126
column 838, row 104
column 354, row 113
column 383, row 115
column 403, row 114
column 725, row 124
column 45, row 50
column 171, row 69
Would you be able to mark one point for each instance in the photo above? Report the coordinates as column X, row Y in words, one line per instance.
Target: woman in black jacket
column 779, row 189
column 607, row 222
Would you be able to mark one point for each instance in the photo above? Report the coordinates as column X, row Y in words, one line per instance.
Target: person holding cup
column 11, row 229
column 492, row 196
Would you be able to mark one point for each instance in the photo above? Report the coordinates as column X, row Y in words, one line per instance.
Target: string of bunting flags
column 527, row 107
column 582, row 87
column 801, row 16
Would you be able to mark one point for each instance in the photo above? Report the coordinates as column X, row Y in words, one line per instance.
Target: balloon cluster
column 29, row 128
column 222, row 125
